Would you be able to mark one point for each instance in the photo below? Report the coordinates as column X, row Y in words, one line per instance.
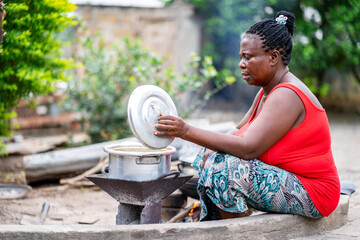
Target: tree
column 2, row 16
column 31, row 60
column 328, row 37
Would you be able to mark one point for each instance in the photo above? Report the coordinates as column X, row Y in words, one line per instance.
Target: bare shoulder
column 284, row 98
column 300, row 85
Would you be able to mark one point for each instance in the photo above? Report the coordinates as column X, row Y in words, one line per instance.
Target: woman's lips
column 245, row 74
column 246, row 77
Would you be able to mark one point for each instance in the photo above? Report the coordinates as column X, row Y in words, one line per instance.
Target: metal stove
column 139, row 201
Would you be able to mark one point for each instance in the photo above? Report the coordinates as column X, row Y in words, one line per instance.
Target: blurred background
column 68, row 67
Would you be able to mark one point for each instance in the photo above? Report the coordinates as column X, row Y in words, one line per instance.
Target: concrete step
column 262, row 226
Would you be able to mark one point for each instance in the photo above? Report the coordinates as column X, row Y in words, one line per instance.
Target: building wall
column 172, row 31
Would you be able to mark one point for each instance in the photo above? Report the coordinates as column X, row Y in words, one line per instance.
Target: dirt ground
column 87, row 205
column 91, row 205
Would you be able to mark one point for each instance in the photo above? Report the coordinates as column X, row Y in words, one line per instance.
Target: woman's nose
column 242, row 63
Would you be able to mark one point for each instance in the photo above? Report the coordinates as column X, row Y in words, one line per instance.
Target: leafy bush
column 30, row 61
column 111, row 75
column 328, row 38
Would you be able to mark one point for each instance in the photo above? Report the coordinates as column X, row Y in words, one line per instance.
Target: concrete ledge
column 263, row 226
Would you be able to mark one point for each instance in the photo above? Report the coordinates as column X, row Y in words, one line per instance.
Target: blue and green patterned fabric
column 233, row 184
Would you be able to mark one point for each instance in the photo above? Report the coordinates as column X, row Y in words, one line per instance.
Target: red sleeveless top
column 306, row 152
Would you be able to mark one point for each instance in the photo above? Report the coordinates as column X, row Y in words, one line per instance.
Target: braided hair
column 276, row 34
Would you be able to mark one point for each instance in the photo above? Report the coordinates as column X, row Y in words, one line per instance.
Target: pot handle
column 174, row 175
column 148, row 160
column 103, row 169
column 156, row 108
column 180, row 167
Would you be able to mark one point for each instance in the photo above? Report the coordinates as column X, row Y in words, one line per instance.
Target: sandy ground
column 67, row 206
column 345, row 133
column 90, row 205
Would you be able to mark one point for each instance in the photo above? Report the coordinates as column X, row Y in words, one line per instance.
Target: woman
column 279, row 157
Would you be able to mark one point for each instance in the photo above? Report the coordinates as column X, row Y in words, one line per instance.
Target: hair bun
column 290, row 21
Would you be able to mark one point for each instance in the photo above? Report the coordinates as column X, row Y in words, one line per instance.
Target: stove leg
column 128, row 214
column 151, row 214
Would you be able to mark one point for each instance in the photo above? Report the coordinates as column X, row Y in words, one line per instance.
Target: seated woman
column 279, row 157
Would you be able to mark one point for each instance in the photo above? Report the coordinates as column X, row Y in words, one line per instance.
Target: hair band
column 281, row 19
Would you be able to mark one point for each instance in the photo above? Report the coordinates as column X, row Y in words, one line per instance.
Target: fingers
column 168, row 130
column 170, row 126
column 165, row 126
column 168, row 117
column 206, row 155
column 165, row 122
column 203, row 163
column 161, row 133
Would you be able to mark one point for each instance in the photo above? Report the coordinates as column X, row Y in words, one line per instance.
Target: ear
column 275, row 57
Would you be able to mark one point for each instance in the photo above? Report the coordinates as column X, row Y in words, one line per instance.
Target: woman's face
column 254, row 61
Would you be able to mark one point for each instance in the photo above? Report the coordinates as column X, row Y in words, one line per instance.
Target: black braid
column 275, row 35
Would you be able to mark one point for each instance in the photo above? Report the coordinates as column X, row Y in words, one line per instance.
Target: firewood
column 93, row 170
column 181, row 215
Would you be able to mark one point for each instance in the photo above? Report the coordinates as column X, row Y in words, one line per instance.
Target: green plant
column 110, row 75
column 328, row 38
column 30, row 60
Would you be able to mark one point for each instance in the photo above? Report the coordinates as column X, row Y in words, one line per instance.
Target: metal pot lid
column 145, row 105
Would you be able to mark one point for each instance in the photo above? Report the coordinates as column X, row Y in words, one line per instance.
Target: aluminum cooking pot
column 133, row 161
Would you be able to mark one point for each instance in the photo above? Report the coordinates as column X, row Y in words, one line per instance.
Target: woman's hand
column 206, row 155
column 171, row 126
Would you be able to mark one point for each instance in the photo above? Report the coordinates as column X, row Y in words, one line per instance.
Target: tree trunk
column 2, row 16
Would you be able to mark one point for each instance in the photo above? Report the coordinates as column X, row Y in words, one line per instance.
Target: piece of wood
column 46, row 120
column 29, row 220
column 67, row 162
column 88, row 220
column 178, row 217
column 35, row 145
column 93, row 170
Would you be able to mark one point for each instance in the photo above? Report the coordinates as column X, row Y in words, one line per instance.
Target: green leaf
column 31, row 59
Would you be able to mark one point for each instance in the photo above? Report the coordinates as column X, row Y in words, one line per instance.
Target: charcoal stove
column 139, row 201
column 139, row 174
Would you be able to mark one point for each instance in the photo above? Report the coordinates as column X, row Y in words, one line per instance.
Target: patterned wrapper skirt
column 232, row 184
